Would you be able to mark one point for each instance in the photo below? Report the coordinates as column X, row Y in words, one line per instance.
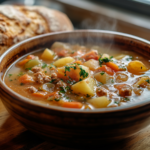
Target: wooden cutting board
column 14, row 136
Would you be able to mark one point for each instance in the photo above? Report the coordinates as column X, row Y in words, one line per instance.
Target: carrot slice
column 106, row 69
column 113, row 66
column 30, row 57
column 77, row 105
column 91, row 55
column 62, row 53
column 39, row 94
column 52, row 94
column 78, row 62
column 21, row 63
column 77, row 53
column 26, row 79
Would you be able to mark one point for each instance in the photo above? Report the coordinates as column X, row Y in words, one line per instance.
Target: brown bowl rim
column 58, row 108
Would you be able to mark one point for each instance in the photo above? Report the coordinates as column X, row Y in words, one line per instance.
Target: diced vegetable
column 124, row 89
column 136, row 67
column 91, row 55
column 31, row 63
column 23, row 62
column 77, row 53
column 47, row 54
column 92, row 64
column 77, row 105
column 73, row 72
column 142, row 81
column 62, row 53
column 48, row 87
column 102, row 77
column 63, row 61
column 39, row 94
column 121, row 77
column 26, row 79
column 59, row 45
column 84, row 87
column 106, row 69
column 30, row 57
column 113, row 66
column 78, row 62
column 99, row 102
column 61, row 49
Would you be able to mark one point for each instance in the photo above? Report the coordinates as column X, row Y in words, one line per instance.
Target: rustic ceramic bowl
column 71, row 126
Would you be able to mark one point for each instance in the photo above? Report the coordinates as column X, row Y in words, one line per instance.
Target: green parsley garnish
column 112, row 81
column 28, row 68
column 52, row 80
column 102, row 73
column 104, row 60
column 130, row 58
column 57, row 99
column 68, row 81
column 126, row 99
column 20, row 74
column 147, row 81
column 62, row 90
column 9, row 75
column 67, row 88
column 44, row 65
column 83, row 73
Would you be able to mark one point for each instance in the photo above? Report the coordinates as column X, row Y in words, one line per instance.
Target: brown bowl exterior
column 76, row 127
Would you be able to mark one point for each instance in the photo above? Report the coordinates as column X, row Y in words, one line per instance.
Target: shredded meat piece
column 41, row 78
column 36, row 69
column 32, row 89
column 101, row 91
column 47, row 79
column 126, row 90
column 54, row 77
column 61, row 84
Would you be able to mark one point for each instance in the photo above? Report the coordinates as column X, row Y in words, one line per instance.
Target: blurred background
column 128, row 16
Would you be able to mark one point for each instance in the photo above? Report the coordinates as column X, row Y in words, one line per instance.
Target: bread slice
column 21, row 22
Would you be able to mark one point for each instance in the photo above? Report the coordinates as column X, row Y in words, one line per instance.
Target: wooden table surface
column 14, row 136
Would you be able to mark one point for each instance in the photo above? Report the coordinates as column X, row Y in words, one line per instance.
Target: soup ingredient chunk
column 99, row 102
column 84, row 87
column 136, row 67
column 48, row 54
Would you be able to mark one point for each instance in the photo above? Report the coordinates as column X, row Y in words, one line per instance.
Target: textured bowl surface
column 76, row 127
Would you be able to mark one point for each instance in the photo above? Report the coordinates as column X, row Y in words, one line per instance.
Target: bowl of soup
column 85, row 87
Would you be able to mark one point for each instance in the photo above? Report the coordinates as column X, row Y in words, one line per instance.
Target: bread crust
column 21, row 22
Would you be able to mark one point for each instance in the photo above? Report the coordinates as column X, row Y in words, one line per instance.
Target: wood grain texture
column 15, row 137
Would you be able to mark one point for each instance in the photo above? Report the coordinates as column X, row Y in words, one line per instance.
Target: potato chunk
column 47, row 54
column 99, row 102
column 102, row 77
column 59, row 45
column 142, row 82
column 92, row 64
column 84, row 87
column 136, row 67
column 63, row 61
